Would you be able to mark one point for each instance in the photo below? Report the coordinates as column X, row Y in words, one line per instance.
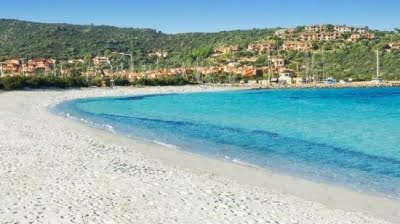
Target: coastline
column 364, row 84
column 306, row 201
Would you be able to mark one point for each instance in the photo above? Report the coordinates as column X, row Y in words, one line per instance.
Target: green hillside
column 341, row 58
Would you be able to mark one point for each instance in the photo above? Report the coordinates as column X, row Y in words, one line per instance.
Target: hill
column 339, row 58
column 65, row 41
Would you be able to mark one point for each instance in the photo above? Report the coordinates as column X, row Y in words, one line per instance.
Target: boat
column 377, row 80
column 329, row 80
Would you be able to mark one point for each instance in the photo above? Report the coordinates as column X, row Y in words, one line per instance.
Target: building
column 286, row 76
column 358, row 36
column 248, row 72
column 360, row 29
column 76, row 61
column 261, row 47
column 277, row 62
column 369, row 36
column 342, row 29
column 39, row 64
column 208, row 70
column 350, row 29
column 232, row 68
column 297, row 46
column 320, row 36
column 11, row 66
column 298, row 80
column 316, row 28
column 281, row 33
column 158, row 54
column 354, row 37
column 394, row 46
column 98, row 61
column 227, row 49
column 251, row 72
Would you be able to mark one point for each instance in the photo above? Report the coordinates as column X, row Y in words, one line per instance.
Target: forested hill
column 62, row 41
column 65, row 41
column 340, row 58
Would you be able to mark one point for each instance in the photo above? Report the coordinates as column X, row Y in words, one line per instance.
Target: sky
column 179, row 16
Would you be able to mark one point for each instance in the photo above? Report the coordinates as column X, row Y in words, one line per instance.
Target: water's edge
column 56, row 109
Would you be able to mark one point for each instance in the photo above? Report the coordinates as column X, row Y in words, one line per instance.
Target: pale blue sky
column 174, row 16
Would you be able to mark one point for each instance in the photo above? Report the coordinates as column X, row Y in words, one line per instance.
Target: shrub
column 95, row 81
column 34, row 82
column 164, row 81
column 121, row 82
column 13, row 82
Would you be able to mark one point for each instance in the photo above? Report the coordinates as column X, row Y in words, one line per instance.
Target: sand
column 57, row 170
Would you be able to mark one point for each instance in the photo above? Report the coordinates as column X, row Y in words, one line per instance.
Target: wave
column 240, row 162
column 109, row 128
column 166, row 144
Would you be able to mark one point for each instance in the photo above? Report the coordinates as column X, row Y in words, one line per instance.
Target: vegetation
column 35, row 82
column 348, row 60
column 341, row 59
column 64, row 41
column 21, row 82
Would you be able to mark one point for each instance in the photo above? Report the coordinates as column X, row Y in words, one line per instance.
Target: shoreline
column 262, row 172
column 224, row 159
column 290, row 188
column 365, row 84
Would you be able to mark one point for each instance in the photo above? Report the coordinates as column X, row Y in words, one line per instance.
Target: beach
column 57, row 170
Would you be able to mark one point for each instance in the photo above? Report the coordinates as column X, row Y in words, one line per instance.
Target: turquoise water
column 347, row 137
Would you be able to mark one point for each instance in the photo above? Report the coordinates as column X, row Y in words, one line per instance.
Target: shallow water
column 347, row 137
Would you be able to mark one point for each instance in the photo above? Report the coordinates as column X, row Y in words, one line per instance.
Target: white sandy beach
column 57, row 170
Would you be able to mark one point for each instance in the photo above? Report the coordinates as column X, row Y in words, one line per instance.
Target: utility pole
column 1, row 69
column 55, row 68
column 87, row 72
column 23, row 66
column 132, row 64
column 144, row 69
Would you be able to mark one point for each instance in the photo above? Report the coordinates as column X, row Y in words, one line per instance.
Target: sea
column 344, row 137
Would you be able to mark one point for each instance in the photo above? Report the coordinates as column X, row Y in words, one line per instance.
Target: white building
column 343, row 29
column 286, row 76
column 316, row 28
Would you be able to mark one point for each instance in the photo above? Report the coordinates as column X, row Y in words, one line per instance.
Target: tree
column 62, row 42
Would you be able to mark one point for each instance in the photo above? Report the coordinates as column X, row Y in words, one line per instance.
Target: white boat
column 329, row 80
column 377, row 80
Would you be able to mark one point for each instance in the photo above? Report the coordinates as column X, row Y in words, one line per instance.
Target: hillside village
column 265, row 59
